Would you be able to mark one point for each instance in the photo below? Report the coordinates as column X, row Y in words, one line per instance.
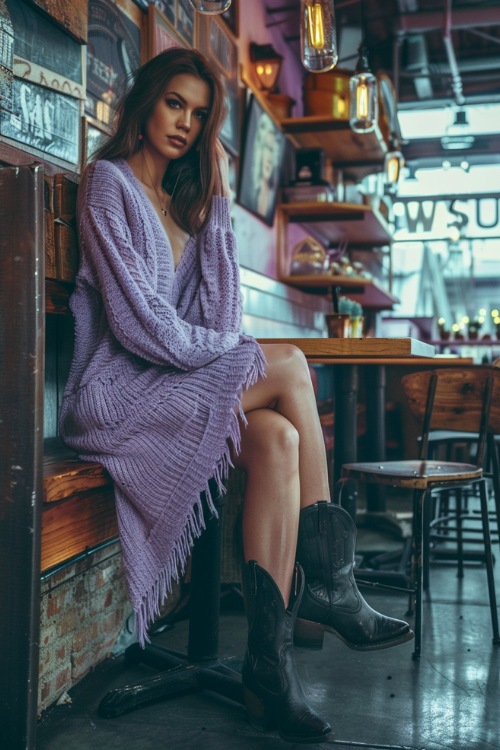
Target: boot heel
column 258, row 716
column 309, row 634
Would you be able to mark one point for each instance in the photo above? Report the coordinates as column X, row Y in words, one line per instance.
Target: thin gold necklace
column 164, row 210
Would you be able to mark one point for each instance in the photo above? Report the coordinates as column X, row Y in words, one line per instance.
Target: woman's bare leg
column 283, row 453
column 287, row 388
column 270, row 456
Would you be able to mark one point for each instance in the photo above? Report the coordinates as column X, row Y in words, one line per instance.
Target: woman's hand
column 222, row 177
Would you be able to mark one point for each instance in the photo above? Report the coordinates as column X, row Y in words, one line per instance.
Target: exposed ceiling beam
column 462, row 18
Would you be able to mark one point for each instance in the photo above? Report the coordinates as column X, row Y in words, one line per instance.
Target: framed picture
column 216, row 43
column 260, row 170
column 180, row 16
column 94, row 136
column 219, row 47
column 184, row 22
column 230, row 133
column 44, row 121
column 231, row 18
column 113, row 54
column 161, row 34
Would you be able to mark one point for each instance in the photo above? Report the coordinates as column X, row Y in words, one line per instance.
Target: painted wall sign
column 426, row 219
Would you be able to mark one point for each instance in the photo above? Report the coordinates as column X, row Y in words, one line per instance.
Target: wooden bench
column 78, row 506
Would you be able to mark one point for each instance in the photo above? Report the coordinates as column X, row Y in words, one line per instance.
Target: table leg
column 345, row 383
column 375, row 428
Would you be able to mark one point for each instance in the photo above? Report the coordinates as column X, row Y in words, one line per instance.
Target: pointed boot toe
column 331, row 601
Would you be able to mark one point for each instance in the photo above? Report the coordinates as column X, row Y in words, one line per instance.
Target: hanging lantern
column 267, row 64
column 318, row 39
column 364, row 98
column 210, row 7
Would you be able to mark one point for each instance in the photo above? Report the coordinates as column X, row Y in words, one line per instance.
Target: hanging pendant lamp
column 210, row 7
column 318, row 38
column 393, row 164
column 364, row 99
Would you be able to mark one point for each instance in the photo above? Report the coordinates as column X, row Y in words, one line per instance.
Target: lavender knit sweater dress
column 158, row 368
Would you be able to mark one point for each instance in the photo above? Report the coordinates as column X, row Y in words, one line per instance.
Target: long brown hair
column 193, row 174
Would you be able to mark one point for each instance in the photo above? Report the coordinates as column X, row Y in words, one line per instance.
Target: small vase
column 339, row 325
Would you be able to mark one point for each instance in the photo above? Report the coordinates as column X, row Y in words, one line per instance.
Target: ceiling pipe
column 456, row 80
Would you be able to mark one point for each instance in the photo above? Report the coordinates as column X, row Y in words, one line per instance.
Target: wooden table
column 375, row 354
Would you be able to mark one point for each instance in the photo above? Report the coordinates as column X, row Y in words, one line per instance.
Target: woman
column 165, row 391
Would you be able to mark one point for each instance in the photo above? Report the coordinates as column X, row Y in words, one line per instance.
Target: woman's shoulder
column 105, row 178
column 106, row 169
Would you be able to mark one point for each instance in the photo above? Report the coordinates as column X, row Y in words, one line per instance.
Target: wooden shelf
column 361, row 225
column 360, row 153
column 368, row 292
column 333, row 223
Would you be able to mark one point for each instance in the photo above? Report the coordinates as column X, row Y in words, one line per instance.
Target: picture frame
column 180, row 16
column 161, row 33
column 215, row 41
column 230, row 134
column 231, row 18
column 218, row 45
column 262, row 156
column 94, row 135
column 185, row 21
column 113, row 55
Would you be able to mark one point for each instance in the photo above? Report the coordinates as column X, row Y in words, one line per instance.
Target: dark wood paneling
column 21, row 429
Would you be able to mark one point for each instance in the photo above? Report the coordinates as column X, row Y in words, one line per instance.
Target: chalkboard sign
column 43, row 43
column 43, row 120
column 113, row 55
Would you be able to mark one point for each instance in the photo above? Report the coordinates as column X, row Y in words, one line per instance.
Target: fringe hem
column 149, row 607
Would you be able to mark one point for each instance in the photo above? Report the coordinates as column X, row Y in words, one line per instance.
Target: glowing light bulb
column 318, row 40
column 315, row 27
column 362, row 100
column 364, row 97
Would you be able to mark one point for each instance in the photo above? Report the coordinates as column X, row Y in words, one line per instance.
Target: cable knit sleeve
column 117, row 259
column 220, row 295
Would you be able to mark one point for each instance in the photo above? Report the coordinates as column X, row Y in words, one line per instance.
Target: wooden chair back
column 466, row 400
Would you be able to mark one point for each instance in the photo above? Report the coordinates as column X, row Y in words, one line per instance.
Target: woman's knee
column 271, row 438
column 288, row 361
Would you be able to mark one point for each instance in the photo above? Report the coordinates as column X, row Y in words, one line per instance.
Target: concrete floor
column 449, row 700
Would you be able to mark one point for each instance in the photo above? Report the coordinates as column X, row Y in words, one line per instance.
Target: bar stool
column 451, row 517
column 447, row 399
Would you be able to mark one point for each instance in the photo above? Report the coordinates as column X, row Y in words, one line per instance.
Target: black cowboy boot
column 332, row 600
column 273, row 693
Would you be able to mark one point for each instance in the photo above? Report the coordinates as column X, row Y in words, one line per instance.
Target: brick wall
column 84, row 608
column 85, row 618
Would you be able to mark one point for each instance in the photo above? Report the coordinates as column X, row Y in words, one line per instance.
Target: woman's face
column 178, row 117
